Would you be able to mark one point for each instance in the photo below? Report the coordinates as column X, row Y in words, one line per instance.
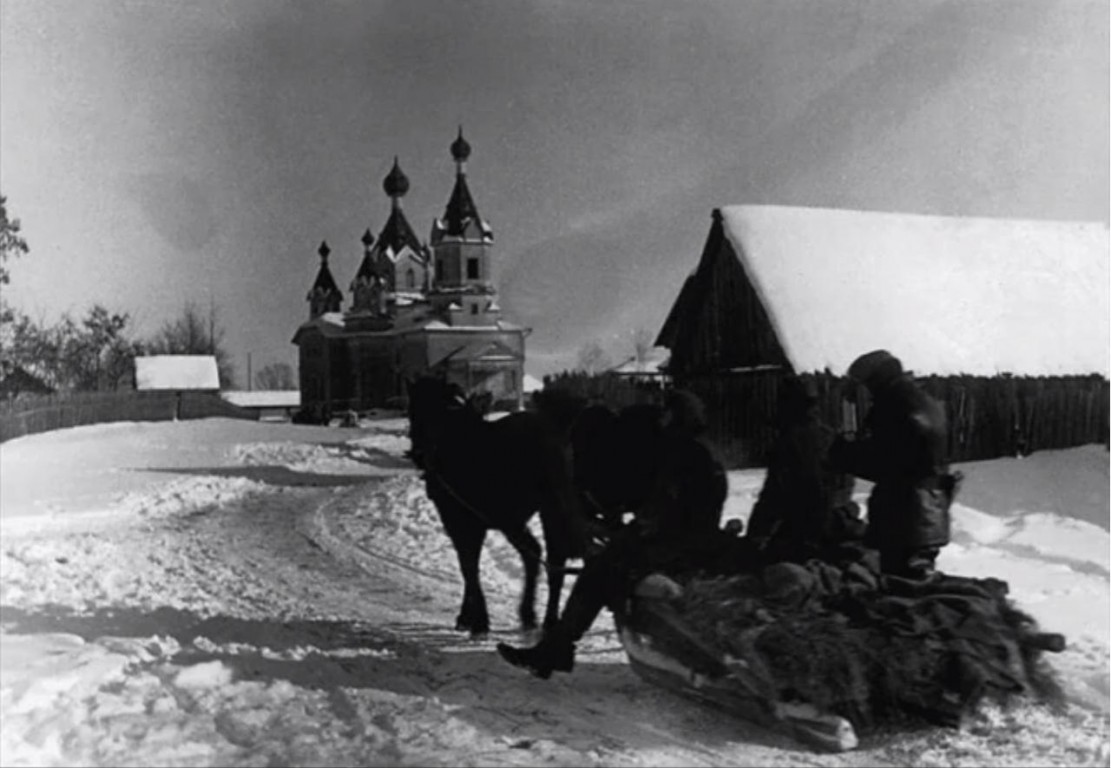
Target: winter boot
column 550, row 654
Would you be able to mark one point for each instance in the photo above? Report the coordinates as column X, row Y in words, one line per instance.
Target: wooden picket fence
column 30, row 414
column 988, row 417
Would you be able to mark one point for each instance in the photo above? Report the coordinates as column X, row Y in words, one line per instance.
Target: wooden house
column 1005, row 321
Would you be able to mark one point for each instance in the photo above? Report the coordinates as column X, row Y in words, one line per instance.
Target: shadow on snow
column 601, row 703
column 273, row 474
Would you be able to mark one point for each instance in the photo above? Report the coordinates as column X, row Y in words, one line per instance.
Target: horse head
column 432, row 404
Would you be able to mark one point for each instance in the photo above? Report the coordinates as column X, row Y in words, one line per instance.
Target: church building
column 415, row 309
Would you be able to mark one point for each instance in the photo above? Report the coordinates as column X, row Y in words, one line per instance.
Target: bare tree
column 97, row 354
column 642, row 344
column 592, row 359
column 275, row 376
column 12, row 244
column 193, row 333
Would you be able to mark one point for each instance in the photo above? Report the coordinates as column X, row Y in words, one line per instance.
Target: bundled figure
column 679, row 520
column 902, row 449
column 804, row 508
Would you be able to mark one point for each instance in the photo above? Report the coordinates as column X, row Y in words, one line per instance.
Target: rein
column 437, row 477
column 430, row 472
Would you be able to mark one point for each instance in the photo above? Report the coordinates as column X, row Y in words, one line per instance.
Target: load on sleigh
column 830, row 651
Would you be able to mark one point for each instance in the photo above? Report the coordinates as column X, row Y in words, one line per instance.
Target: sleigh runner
column 663, row 650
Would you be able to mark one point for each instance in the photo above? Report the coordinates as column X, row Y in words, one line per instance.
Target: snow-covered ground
column 234, row 593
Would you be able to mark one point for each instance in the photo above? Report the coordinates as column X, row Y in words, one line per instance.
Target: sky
column 158, row 153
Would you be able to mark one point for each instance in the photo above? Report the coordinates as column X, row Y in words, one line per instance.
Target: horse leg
column 558, row 542
column 555, row 571
column 473, row 616
column 529, row 549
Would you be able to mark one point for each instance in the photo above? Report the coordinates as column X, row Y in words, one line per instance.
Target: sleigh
column 663, row 650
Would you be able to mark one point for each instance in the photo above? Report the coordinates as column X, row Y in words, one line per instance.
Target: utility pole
column 249, row 379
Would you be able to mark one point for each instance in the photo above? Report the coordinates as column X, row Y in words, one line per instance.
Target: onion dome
column 460, row 149
column 461, row 219
column 368, row 239
column 324, row 296
column 396, row 183
column 324, row 280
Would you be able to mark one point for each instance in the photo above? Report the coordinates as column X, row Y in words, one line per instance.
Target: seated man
column 680, row 519
column 804, row 509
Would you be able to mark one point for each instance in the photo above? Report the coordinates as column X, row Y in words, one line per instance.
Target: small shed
column 1006, row 321
column 177, row 373
column 648, row 367
column 267, row 403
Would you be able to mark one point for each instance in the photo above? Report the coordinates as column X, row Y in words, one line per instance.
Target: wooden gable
column 718, row 321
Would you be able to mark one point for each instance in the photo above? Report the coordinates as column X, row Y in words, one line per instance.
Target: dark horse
column 615, row 459
column 484, row 475
column 618, row 455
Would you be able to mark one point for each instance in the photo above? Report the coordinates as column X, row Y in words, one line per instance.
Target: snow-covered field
column 235, row 593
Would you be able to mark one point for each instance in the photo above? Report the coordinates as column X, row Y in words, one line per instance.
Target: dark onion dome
column 368, row 239
column 396, row 183
column 460, row 149
column 325, row 283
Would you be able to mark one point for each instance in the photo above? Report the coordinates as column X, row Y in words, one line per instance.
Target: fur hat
column 876, row 369
column 685, row 412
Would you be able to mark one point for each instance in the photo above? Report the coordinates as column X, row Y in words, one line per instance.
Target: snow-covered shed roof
column 263, row 398
column 946, row 295
column 651, row 363
column 176, row 372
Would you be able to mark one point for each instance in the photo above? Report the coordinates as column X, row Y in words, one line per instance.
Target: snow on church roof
column 946, row 295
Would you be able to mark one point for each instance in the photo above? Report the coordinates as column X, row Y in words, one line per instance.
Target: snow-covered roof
column 946, row 295
column 264, row 398
column 501, row 325
column 530, row 383
column 176, row 372
column 653, row 362
column 485, row 350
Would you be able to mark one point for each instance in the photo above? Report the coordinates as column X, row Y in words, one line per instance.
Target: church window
column 474, row 309
column 439, row 269
column 410, row 279
column 472, row 268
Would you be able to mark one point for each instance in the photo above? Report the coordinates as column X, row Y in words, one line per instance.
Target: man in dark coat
column 902, row 449
column 679, row 520
column 804, row 508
